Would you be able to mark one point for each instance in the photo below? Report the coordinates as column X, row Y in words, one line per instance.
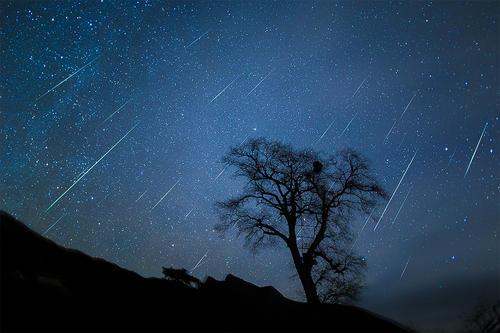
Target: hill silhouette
column 48, row 287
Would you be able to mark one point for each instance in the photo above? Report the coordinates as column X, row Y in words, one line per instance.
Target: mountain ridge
column 46, row 286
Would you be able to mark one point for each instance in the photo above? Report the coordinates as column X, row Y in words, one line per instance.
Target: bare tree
column 305, row 201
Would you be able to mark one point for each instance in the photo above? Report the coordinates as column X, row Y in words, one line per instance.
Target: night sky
column 107, row 106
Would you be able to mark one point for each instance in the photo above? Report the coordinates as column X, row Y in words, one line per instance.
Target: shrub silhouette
column 180, row 275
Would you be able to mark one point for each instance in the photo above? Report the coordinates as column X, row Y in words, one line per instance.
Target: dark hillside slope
column 45, row 286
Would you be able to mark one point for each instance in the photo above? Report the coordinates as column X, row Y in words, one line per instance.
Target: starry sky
column 114, row 117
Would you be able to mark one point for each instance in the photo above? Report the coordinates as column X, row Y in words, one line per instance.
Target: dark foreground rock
column 46, row 287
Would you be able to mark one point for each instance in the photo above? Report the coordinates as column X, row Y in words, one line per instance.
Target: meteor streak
column 402, row 204
column 347, row 127
column 242, row 142
column 400, row 117
column 117, row 110
column 89, row 169
column 224, row 169
column 388, row 133
column 163, row 197
column 363, row 228
column 452, row 155
column 197, row 39
column 69, row 77
column 220, row 173
column 327, row 129
column 407, row 106
column 213, row 99
column 475, row 150
column 359, row 87
column 404, row 269
column 139, row 198
column 258, row 84
column 348, row 124
column 53, row 224
column 81, row 173
column 189, row 213
column 367, row 219
column 199, row 262
column 402, row 141
column 392, row 196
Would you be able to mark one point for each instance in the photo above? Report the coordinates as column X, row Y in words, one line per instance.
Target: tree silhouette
column 484, row 318
column 305, row 201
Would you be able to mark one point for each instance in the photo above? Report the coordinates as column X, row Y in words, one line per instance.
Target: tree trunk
column 304, row 271
column 309, row 286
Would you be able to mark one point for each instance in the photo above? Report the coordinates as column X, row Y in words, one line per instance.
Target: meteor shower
column 249, row 166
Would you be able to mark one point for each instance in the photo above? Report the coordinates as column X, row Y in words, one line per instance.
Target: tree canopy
column 306, row 201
